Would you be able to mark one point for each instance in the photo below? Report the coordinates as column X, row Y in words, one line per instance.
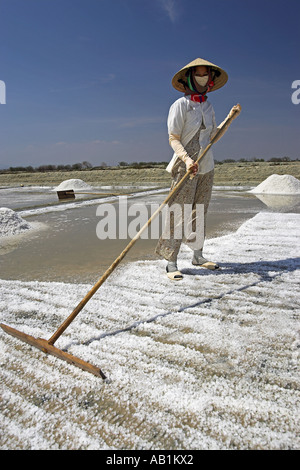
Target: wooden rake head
column 48, row 348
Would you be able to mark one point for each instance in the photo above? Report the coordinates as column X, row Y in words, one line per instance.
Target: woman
column 191, row 126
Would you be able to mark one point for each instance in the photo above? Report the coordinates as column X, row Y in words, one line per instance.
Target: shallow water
column 65, row 246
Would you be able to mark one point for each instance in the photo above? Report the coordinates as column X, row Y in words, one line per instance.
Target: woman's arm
column 181, row 153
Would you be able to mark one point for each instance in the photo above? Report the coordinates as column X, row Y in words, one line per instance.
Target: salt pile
column 278, row 184
column 75, row 184
column 11, row 223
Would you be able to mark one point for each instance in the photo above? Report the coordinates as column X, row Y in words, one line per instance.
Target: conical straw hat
column 220, row 79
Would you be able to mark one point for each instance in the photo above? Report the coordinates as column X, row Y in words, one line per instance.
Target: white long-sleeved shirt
column 184, row 120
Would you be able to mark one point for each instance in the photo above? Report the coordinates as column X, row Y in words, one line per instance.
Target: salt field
column 211, row 362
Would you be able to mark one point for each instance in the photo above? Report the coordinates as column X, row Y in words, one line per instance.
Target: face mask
column 202, row 81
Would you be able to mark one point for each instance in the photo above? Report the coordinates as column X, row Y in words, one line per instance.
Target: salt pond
column 67, row 248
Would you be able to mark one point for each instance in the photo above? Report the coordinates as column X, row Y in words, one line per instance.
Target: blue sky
column 90, row 80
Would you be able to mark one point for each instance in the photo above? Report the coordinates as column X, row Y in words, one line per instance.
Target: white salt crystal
column 75, row 184
column 278, row 184
column 12, row 223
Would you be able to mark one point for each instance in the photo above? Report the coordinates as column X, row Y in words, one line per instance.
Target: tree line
column 44, row 168
column 135, row 165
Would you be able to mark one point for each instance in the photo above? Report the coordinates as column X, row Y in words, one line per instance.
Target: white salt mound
column 278, row 184
column 75, row 184
column 11, row 223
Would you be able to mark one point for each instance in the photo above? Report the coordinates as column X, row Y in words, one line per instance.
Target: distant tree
column 16, row 168
column 86, row 165
column 77, row 166
column 43, row 168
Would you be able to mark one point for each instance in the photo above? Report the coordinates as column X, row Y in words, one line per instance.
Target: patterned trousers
column 194, row 191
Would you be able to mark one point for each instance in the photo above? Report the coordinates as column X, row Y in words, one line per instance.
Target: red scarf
column 198, row 98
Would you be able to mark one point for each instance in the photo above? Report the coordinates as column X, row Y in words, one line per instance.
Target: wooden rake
column 47, row 346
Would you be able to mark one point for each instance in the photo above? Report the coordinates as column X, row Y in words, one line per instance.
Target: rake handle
column 117, row 261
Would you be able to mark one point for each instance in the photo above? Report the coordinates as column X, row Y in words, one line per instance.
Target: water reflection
column 280, row 202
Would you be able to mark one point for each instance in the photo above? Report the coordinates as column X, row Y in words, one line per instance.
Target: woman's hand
column 190, row 164
column 235, row 111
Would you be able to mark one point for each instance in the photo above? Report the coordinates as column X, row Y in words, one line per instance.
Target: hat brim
column 219, row 81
